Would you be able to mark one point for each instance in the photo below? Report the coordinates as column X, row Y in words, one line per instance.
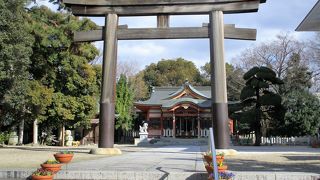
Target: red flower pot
column 34, row 177
column 220, row 168
column 52, row 167
column 63, row 158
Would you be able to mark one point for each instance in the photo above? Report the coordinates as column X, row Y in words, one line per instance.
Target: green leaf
column 253, row 71
column 247, row 92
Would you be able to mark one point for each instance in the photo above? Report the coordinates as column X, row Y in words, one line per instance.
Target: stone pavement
column 180, row 162
column 163, row 159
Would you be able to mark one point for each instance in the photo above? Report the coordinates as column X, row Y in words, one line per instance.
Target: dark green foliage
column 298, row 76
column 235, row 81
column 302, row 115
column 171, row 73
column 63, row 66
column 15, row 50
column 261, row 105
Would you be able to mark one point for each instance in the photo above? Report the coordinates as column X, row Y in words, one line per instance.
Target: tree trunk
column 35, row 132
column 258, row 117
column 258, row 135
column 21, row 129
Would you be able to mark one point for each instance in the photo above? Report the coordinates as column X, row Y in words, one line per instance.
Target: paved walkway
column 164, row 159
column 172, row 162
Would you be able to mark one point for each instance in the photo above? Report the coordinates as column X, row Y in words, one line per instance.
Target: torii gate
column 216, row 31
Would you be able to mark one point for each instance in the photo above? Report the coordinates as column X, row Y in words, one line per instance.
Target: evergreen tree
column 297, row 76
column 124, row 105
column 61, row 64
column 171, row 73
column 259, row 100
column 15, row 50
column 234, row 79
column 302, row 115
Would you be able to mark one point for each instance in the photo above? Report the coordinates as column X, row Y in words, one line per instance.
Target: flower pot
column 63, row 158
column 34, row 177
column 208, row 159
column 52, row 167
column 222, row 168
column 209, row 169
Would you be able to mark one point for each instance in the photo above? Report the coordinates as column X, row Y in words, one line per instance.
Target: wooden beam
column 189, row 9
column 167, row 33
column 146, row 2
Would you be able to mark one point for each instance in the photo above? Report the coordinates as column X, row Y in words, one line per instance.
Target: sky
column 274, row 17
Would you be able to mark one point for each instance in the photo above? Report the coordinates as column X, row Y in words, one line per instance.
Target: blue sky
column 273, row 17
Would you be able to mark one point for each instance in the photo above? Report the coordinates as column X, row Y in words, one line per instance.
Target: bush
column 4, row 137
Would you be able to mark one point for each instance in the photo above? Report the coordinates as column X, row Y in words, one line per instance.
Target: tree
column 234, row 79
column 314, row 51
column 62, row 65
column 124, row 105
column 15, row 52
column 274, row 55
column 259, row 99
column 171, row 73
column 139, row 87
column 297, row 75
column 302, row 115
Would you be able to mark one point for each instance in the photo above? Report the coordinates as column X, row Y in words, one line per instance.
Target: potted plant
column 64, row 156
column 221, row 167
column 52, row 165
column 42, row 174
column 208, row 157
column 222, row 176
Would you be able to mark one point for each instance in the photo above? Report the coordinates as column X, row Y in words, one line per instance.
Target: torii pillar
column 219, row 106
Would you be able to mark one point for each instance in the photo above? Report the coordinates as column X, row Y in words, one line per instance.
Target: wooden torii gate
column 216, row 31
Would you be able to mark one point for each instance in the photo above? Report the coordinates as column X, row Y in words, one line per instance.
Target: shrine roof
column 167, row 97
column 312, row 21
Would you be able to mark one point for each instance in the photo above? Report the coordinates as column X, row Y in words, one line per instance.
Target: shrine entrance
column 186, row 127
column 216, row 31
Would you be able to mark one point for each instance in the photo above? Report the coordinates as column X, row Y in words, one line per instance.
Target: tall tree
column 302, row 115
column 139, row 87
column 15, row 50
column 171, row 73
column 274, row 55
column 297, row 75
column 235, row 81
column 124, row 105
column 259, row 99
column 62, row 65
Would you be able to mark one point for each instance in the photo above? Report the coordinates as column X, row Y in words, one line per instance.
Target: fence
column 300, row 141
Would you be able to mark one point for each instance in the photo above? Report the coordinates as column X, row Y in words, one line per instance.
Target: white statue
column 69, row 138
column 144, row 128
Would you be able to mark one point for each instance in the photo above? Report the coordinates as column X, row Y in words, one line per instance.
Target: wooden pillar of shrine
column 218, row 81
column 173, row 125
column 109, row 66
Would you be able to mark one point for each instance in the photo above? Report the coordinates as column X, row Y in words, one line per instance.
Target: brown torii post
column 216, row 31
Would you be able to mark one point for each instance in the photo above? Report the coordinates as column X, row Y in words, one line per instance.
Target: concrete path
column 163, row 159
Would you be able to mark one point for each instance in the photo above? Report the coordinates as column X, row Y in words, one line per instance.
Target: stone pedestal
column 13, row 139
column 143, row 137
column 106, row 151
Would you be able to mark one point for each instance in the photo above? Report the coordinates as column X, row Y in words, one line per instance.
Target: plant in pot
column 208, row 157
column 52, row 165
column 222, row 176
column 64, row 156
column 221, row 167
column 42, row 174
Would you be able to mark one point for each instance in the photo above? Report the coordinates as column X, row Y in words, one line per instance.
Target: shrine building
column 182, row 112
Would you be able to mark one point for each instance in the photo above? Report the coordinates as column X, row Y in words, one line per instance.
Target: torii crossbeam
column 216, row 31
